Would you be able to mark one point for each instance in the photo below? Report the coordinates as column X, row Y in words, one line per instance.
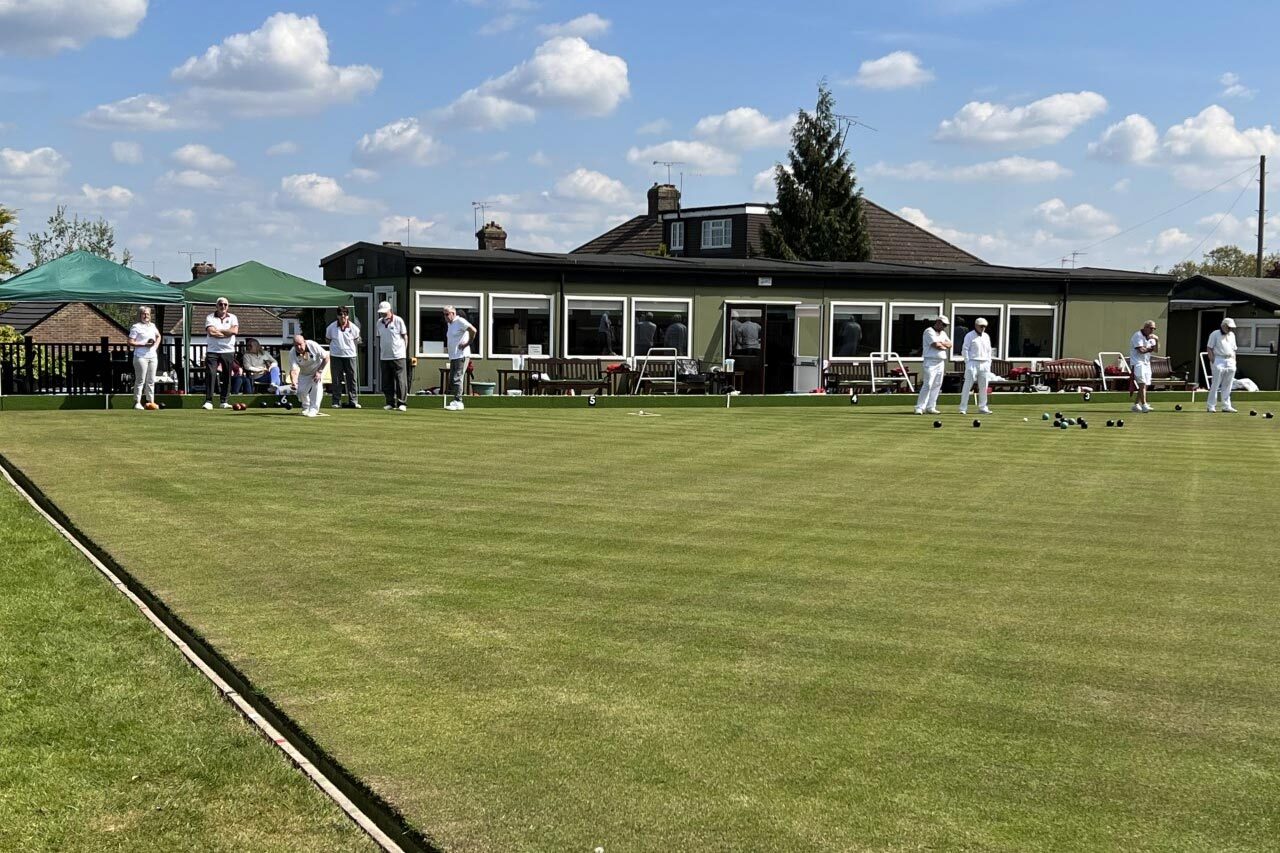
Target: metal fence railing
column 31, row 367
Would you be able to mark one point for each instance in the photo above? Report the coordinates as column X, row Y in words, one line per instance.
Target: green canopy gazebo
column 86, row 277
column 259, row 286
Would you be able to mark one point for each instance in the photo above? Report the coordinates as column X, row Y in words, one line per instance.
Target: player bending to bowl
column 307, row 374
column 1141, row 345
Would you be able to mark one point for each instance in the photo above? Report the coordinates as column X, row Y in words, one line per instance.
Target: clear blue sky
column 1019, row 130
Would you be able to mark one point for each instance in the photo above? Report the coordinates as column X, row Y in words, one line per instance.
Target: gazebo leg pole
column 185, row 355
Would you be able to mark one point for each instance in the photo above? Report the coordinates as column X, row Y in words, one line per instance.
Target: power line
column 1164, row 213
column 1221, row 219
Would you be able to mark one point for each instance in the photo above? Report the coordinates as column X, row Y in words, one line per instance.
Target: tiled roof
column 893, row 239
column 24, row 315
column 641, row 234
column 254, row 322
column 1265, row 291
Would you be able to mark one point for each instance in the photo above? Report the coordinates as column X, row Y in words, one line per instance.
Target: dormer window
column 717, row 233
column 676, row 243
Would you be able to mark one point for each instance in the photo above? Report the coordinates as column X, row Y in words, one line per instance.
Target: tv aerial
column 668, row 164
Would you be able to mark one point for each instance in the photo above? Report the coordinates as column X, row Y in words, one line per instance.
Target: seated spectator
column 261, row 369
column 240, row 383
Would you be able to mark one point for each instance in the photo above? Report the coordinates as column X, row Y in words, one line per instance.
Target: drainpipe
column 1062, row 321
column 556, row 345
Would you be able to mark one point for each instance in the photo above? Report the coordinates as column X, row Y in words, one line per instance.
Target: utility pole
column 1262, row 208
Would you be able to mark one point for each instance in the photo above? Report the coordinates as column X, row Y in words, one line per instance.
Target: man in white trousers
column 1222, row 347
column 1141, row 345
column 307, row 374
column 936, row 348
column 976, row 350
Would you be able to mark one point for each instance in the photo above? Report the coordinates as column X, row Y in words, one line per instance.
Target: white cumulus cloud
column 129, row 153
column 319, row 192
column 281, row 68
column 898, row 70
column 35, row 27
column 138, row 112
column 100, row 197
column 564, row 73
column 190, row 179
column 1007, row 169
column 395, row 227
column 1212, row 135
column 1233, row 88
column 39, row 163
column 1134, row 139
column 696, row 156
column 1043, row 122
column 401, row 141
column 202, row 158
column 1172, row 239
column 181, row 217
column 1081, row 221
column 583, row 26
column 584, row 185
column 744, row 127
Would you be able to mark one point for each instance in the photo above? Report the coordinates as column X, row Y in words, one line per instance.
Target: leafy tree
column 65, row 236
column 1228, row 260
column 8, row 246
column 818, row 215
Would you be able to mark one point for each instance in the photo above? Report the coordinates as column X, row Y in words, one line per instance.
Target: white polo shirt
column 977, row 346
column 143, row 332
column 224, row 324
column 1224, row 347
column 1139, row 340
column 309, row 360
column 391, row 338
column 342, row 342
column 458, row 329
column 931, row 337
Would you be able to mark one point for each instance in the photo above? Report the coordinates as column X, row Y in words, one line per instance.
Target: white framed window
column 677, row 237
column 717, row 233
column 1032, row 332
column 432, row 325
column 907, row 322
column 1257, row 337
column 519, row 324
column 856, row 330
column 661, row 323
column 595, row 327
column 963, row 317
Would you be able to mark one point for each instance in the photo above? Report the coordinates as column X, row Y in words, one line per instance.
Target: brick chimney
column 202, row 269
column 491, row 236
column 663, row 198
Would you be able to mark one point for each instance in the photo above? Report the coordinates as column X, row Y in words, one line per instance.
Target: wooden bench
column 1002, row 367
column 558, row 375
column 1163, row 377
column 1065, row 373
column 857, row 375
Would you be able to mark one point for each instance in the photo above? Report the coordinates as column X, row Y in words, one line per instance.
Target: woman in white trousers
column 145, row 338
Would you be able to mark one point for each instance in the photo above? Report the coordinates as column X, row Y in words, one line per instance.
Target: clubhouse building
column 683, row 280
